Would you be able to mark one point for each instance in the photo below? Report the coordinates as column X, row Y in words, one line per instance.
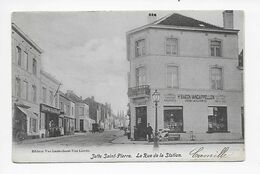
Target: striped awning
column 27, row 112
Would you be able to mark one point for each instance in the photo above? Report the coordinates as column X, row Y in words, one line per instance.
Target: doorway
column 141, row 122
column 81, row 125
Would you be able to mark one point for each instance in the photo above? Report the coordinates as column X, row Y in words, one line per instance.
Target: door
column 141, row 122
column 81, row 125
column 173, row 118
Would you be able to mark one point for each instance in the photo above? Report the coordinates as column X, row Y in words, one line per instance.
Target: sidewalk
column 124, row 140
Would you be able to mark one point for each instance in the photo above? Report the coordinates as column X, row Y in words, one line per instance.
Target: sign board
column 49, row 109
column 194, row 98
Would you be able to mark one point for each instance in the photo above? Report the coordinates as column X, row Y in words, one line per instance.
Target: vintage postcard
column 127, row 86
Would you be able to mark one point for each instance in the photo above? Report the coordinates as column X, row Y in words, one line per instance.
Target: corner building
column 194, row 67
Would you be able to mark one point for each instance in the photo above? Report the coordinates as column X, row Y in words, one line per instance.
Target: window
column 51, row 98
column 68, row 109
column 34, row 66
column 140, row 76
column 25, row 56
column 140, row 48
column 61, row 106
column 34, row 93
column 44, row 94
column 215, row 48
column 217, row 119
column 72, row 111
column 25, row 90
column 216, row 78
column 80, row 111
column 18, row 87
column 33, row 125
column 172, row 77
column 19, row 56
column 56, row 101
column 173, row 118
column 171, row 46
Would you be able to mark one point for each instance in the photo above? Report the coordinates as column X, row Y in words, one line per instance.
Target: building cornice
column 26, row 38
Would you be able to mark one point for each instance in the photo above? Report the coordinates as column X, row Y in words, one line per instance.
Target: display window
column 173, row 118
column 217, row 119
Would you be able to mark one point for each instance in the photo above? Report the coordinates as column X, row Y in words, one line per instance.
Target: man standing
column 149, row 130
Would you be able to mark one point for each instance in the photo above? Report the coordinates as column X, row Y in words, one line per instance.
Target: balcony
column 139, row 91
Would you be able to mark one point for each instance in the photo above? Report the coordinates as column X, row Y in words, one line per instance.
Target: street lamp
column 156, row 99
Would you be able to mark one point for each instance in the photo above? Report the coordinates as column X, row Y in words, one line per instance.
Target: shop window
column 173, row 118
column 33, row 124
column 217, row 119
column 172, row 77
column 215, row 48
column 18, row 87
column 19, row 56
column 140, row 76
column 140, row 48
column 216, row 78
column 171, row 46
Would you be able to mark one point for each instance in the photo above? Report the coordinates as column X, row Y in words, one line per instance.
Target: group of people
column 148, row 132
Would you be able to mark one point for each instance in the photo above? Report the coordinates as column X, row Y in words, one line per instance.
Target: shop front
column 50, row 121
column 69, row 125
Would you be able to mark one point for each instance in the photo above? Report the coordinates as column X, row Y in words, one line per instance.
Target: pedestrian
column 149, row 131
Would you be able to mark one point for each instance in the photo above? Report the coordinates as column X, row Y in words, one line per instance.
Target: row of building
column 196, row 69
column 39, row 108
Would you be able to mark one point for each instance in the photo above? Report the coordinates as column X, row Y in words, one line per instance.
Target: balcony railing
column 139, row 91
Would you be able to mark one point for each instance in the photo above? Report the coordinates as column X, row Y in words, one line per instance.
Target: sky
column 86, row 51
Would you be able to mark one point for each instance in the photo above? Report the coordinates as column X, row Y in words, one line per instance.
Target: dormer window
column 216, row 48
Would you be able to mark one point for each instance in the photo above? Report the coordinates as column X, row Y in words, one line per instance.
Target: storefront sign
column 194, row 98
column 140, row 101
column 48, row 109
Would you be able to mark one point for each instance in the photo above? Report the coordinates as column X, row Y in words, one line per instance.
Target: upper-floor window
column 216, row 48
column 61, row 106
column 172, row 77
column 34, row 66
column 25, row 58
column 68, row 109
column 19, row 55
column 140, row 48
column 25, row 90
column 80, row 110
column 216, row 78
column 171, row 46
column 44, row 94
column 140, row 76
column 34, row 92
column 56, row 101
column 51, row 98
column 72, row 111
column 18, row 87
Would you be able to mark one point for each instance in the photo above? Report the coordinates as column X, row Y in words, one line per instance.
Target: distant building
column 49, row 105
column 68, row 121
column 193, row 65
column 26, row 63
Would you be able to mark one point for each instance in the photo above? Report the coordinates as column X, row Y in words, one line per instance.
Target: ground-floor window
column 217, row 119
column 173, row 118
column 33, row 124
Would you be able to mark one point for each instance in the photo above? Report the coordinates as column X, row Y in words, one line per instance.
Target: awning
column 28, row 112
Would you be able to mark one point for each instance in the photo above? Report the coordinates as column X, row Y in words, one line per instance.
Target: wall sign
column 48, row 109
column 194, row 98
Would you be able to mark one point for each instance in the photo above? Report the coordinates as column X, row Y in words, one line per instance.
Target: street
column 77, row 140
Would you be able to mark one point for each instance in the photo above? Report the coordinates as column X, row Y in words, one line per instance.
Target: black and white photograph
column 127, row 86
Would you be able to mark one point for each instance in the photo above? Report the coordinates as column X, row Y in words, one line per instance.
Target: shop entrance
column 52, row 125
column 141, row 122
column 81, row 125
column 173, row 118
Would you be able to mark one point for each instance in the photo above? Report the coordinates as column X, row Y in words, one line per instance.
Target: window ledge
column 210, row 132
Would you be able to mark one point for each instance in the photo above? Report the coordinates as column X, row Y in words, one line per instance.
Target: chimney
column 228, row 21
column 152, row 17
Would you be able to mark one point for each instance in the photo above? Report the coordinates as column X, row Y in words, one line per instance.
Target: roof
column 26, row 38
column 179, row 20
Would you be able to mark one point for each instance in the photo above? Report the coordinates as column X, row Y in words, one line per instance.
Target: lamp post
column 156, row 99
